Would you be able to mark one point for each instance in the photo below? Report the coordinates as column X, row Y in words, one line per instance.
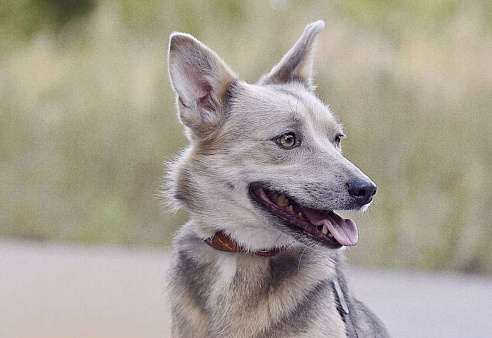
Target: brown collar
column 220, row 241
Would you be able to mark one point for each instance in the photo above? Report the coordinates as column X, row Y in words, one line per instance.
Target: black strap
column 343, row 310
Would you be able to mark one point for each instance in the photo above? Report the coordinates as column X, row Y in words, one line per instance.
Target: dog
column 262, row 253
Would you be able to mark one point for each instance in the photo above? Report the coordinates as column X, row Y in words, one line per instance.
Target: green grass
column 88, row 119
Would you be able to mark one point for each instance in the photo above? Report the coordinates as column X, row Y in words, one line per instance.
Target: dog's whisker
column 300, row 259
column 275, row 243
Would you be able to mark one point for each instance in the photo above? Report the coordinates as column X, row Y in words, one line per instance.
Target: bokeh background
column 88, row 118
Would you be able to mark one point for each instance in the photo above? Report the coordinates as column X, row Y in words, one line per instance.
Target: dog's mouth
column 324, row 226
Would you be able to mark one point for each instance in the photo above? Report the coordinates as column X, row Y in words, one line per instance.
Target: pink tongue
column 344, row 230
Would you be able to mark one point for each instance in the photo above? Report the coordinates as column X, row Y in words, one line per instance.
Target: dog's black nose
column 362, row 191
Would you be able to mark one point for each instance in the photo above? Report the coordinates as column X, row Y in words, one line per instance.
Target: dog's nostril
column 362, row 190
column 374, row 189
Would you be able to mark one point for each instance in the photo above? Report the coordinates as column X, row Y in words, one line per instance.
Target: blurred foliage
column 21, row 20
column 381, row 13
column 88, row 117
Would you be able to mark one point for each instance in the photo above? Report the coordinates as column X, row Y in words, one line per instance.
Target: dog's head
column 264, row 163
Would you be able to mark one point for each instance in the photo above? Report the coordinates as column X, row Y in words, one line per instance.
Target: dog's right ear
column 200, row 79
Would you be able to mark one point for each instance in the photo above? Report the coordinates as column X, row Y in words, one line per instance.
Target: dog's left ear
column 200, row 79
column 297, row 64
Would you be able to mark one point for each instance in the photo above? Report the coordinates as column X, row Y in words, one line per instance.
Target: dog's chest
column 239, row 296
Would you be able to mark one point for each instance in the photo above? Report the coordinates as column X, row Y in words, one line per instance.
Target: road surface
column 49, row 290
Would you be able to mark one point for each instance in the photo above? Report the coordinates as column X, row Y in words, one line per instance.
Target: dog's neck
column 209, row 285
column 222, row 242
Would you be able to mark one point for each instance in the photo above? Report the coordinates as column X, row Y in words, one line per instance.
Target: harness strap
column 343, row 310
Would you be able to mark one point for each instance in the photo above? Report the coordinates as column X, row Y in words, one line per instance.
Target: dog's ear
column 200, row 79
column 297, row 64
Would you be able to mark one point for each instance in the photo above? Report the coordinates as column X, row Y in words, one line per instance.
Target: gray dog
column 262, row 255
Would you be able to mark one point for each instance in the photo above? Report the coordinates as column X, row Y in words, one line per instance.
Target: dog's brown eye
column 287, row 140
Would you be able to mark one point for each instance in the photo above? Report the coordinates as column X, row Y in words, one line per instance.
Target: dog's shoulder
column 360, row 318
column 366, row 321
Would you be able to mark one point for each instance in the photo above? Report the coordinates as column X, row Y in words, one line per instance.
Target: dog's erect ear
column 200, row 79
column 297, row 64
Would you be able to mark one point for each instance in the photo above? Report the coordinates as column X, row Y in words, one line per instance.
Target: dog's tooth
column 299, row 214
column 324, row 230
column 291, row 209
column 282, row 201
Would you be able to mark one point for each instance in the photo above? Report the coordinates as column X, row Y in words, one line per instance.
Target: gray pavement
column 49, row 290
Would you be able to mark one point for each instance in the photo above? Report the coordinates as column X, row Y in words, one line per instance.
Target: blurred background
column 88, row 116
column 88, row 120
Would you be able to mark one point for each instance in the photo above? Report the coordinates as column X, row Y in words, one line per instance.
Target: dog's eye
column 287, row 140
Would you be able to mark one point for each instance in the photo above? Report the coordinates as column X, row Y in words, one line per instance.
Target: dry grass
column 87, row 119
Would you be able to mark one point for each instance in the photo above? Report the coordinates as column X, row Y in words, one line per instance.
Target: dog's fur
column 232, row 127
